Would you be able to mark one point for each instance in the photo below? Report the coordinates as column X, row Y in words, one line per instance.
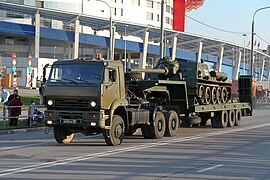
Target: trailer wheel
column 62, row 135
column 115, row 135
column 238, row 117
column 231, row 118
column 157, row 128
column 172, row 123
column 222, row 119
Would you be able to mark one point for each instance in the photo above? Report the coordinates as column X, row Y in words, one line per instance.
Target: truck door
column 110, row 87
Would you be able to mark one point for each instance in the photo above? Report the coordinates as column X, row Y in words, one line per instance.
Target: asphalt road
column 195, row 153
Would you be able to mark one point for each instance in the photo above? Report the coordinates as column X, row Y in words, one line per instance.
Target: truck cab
column 82, row 96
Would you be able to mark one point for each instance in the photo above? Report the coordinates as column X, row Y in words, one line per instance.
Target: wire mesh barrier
column 30, row 115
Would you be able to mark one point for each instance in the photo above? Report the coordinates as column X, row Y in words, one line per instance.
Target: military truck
column 96, row 96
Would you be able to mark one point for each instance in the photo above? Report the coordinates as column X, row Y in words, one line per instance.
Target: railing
column 30, row 119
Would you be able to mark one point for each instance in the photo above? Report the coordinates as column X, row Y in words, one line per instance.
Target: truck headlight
column 93, row 103
column 50, row 102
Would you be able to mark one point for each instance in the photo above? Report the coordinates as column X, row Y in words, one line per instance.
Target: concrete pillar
column 174, row 47
column 262, row 69
column 220, row 58
column 199, row 52
column 37, row 34
column 76, row 39
column 143, row 55
column 237, row 66
column 69, row 51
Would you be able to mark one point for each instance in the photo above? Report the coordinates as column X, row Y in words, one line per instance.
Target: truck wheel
column 172, row 123
column 115, row 135
column 146, row 131
column 222, row 119
column 238, row 117
column 214, row 122
column 63, row 135
column 231, row 118
column 157, row 128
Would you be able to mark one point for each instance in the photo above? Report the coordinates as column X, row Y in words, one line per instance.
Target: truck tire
column 238, row 116
column 214, row 122
column 231, row 118
column 146, row 131
column 115, row 135
column 222, row 119
column 63, row 135
column 172, row 123
column 157, row 128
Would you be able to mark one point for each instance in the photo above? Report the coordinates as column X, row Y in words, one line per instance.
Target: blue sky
column 231, row 15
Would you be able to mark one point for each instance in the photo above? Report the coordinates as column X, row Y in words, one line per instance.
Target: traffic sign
column 29, row 69
column 14, row 62
column 14, row 55
column 14, row 68
column 30, row 57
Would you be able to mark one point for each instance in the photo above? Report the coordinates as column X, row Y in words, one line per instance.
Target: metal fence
column 30, row 117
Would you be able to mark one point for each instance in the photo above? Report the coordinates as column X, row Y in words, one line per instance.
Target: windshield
column 82, row 73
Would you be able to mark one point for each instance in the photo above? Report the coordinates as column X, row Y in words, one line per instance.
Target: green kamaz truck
column 96, row 96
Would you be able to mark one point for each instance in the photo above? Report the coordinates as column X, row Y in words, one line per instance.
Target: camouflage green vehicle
column 96, row 96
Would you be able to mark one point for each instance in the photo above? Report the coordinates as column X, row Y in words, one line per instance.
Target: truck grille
column 71, row 103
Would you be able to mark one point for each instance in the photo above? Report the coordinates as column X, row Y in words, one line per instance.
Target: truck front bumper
column 86, row 119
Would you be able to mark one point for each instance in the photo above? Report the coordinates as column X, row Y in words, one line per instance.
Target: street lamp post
column 125, row 48
column 111, row 56
column 161, row 48
column 244, row 67
column 252, row 39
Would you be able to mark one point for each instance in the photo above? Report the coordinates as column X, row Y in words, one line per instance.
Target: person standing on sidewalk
column 4, row 96
column 41, row 94
column 15, row 104
column 15, row 95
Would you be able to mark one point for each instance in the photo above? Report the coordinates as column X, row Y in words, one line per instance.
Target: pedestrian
column 31, row 109
column 4, row 96
column 41, row 93
column 14, row 100
column 15, row 110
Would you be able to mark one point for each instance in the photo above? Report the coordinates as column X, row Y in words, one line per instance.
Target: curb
column 18, row 131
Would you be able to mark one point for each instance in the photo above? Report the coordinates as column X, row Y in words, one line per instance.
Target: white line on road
column 123, row 150
column 210, row 168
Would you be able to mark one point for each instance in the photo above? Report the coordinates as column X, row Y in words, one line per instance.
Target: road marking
column 210, row 168
column 123, row 150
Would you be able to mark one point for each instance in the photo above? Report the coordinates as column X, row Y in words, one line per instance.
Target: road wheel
column 115, row 135
column 172, row 123
column 238, row 117
column 222, row 119
column 218, row 95
column 207, row 95
column 201, row 93
column 231, row 118
column 157, row 128
column 214, row 95
column 63, row 135
column 224, row 95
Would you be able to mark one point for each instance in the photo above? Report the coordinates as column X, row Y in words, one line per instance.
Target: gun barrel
column 156, row 71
